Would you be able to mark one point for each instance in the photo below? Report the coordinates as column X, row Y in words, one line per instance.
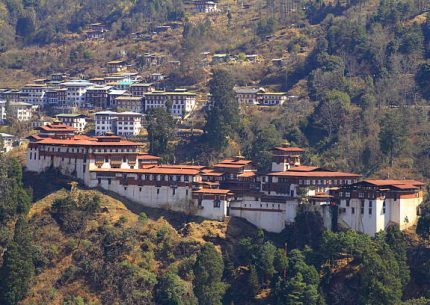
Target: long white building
column 231, row 187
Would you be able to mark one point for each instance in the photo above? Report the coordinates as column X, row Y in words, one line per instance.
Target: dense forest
column 42, row 22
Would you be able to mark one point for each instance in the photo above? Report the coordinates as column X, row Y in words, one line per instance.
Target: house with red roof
column 370, row 206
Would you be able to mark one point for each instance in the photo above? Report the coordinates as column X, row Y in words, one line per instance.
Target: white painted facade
column 105, row 122
column 182, row 102
column 372, row 211
column 21, row 111
column 118, row 123
column 110, row 165
column 77, row 121
column 8, row 141
column 34, row 94
column 128, row 124
column 76, row 92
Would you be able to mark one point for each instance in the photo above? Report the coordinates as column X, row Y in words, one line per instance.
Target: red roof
column 247, row 174
column 86, row 141
column 315, row 174
column 227, row 165
column 182, row 166
column 152, row 170
column 210, row 172
column 400, row 184
column 147, row 157
column 56, row 128
column 212, row 191
column 236, row 161
column 290, row 149
column 305, row 168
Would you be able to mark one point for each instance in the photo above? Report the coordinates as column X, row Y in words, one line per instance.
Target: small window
column 158, row 191
column 347, row 203
column 217, row 203
column 352, row 210
column 174, row 192
column 383, row 207
column 362, row 207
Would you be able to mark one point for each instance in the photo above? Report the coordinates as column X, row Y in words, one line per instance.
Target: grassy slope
column 47, row 235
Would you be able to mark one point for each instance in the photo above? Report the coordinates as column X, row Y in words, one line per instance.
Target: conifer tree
column 161, row 131
column 252, row 281
column 18, row 268
column 208, row 269
column 223, row 120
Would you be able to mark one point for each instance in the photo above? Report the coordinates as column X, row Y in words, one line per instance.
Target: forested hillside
column 43, row 22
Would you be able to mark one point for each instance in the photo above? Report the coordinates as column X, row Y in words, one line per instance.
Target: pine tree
column 172, row 290
column 18, row 268
column 223, row 120
column 296, row 290
column 252, row 281
column 208, row 269
column 161, row 132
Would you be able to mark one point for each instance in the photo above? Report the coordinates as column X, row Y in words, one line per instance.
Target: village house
column 182, row 101
column 204, row 6
column 113, row 94
column 140, row 89
column 272, row 98
column 3, row 114
column 220, row 58
column 370, row 206
column 76, row 92
column 252, row 58
column 157, row 77
column 248, row 95
column 118, row 123
column 75, row 120
column 97, row 96
column 129, row 103
column 34, row 94
column 9, row 142
column 58, row 77
column 128, row 124
column 21, row 111
column 97, row 81
column 116, row 66
column 96, row 31
column 124, row 84
column 105, row 122
column 56, row 97
column 40, row 122
column 11, row 95
column 152, row 59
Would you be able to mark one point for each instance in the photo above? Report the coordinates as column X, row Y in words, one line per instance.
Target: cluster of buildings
column 120, row 90
column 232, row 187
column 19, row 111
